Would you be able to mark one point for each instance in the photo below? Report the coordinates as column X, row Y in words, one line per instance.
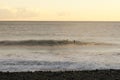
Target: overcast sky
column 61, row 10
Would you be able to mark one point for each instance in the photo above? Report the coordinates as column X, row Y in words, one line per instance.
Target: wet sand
column 68, row 75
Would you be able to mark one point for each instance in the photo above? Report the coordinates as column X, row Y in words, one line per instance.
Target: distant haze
column 60, row 10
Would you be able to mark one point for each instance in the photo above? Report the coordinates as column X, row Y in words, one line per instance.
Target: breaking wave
column 49, row 42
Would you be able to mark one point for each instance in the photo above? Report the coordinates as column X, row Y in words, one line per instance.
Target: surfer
column 74, row 41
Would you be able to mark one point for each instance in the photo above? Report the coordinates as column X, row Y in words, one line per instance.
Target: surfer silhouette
column 74, row 41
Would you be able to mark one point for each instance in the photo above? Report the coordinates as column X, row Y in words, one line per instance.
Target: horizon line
column 52, row 21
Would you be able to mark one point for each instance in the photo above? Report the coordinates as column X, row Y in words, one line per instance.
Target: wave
column 19, row 66
column 49, row 42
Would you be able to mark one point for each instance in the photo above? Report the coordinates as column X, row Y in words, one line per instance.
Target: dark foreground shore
column 68, row 75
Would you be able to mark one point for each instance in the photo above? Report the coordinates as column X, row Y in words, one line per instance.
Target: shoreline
column 110, row 74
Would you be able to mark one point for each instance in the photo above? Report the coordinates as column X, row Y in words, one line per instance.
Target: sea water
column 40, row 46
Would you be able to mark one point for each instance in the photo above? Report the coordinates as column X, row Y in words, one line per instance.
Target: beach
column 69, row 75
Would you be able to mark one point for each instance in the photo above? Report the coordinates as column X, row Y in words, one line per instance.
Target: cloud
column 18, row 13
column 6, row 13
column 24, row 13
column 63, row 13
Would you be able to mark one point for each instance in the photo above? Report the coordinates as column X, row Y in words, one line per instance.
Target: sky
column 60, row 10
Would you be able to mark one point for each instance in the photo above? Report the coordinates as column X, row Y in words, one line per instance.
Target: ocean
column 59, row 45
